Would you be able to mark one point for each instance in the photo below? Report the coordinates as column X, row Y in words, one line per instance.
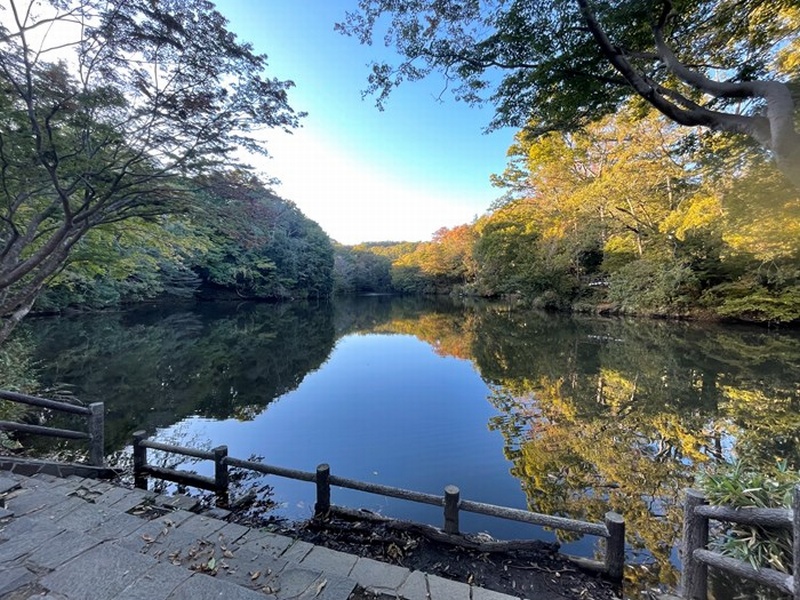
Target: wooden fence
column 612, row 529
column 697, row 558
column 94, row 413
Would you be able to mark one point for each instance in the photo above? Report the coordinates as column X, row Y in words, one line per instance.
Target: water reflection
column 620, row 415
column 590, row 414
column 155, row 366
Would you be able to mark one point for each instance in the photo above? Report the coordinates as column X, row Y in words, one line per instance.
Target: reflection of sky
column 384, row 409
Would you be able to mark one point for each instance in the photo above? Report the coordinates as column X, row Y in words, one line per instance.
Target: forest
column 635, row 185
column 630, row 214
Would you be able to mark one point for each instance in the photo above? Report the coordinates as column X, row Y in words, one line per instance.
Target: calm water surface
column 571, row 416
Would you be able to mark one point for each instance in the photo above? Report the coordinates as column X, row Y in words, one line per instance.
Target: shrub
column 653, row 286
column 741, row 486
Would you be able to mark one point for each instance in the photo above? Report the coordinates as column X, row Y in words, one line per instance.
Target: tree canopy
column 108, row 105
column 555, row 65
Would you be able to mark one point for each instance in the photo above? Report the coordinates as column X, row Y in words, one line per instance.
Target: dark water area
column 563, row 415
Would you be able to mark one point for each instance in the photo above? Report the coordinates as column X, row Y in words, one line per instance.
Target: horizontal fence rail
column 94, row 413
column 613, row 529
column 697, row 558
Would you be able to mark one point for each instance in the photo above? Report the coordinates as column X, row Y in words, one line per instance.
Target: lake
column 563, row 415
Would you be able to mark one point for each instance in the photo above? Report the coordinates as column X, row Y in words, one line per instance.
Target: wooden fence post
column 796, row 542
column 220, row 470
column 97, row 454
column 451, row 500
column 694, row 578
column 323, row 481
column 615, row 546
column 139, row 460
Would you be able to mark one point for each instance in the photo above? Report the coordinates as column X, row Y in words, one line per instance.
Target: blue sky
column 363, row 174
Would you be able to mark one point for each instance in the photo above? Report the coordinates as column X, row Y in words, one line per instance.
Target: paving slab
column 178, row 501
column 42, row 503
column 14, row 578
column 36, row 535
column 415, row 587
column 43, row 480
column 175, row 517
column 440, row 588
column 155, row 537
column 51, row 482
column 149, row 530
column 249, row 569
column 8, row 483
column 116, row 526
column 292, row 582
column 203, row 587
column 329, row 561
column 201, row 526
column 83, row 518
column 130, row 499
column 297, row 551
column 21, row 526
column 265, row 541
column 60, row 549
column 231, row 533
column 378, row 576
column 217, row 513
column 156, row 584
column 484, row 594
column 28, row 500
column 102, row 572
column 330, row 587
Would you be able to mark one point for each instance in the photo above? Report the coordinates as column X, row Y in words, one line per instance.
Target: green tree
column 359, row 269
column 145, row 93
column 261, row 246
column 724, row 65
column 130, row 261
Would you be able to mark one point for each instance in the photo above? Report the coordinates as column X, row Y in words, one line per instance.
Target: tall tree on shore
column 108, row 105
column 725, row 65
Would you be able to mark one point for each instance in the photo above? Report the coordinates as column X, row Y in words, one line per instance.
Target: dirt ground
column 537, row 571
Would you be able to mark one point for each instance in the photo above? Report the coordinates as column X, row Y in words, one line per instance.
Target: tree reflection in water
column 596, row 414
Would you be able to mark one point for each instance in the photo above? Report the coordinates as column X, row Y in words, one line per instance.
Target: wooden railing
column 697, row 558
column 612, row 529
column 94, row 413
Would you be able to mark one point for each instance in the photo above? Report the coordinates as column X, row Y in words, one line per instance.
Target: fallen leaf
column 227, row 554
column 148, row 538
column 255, row 575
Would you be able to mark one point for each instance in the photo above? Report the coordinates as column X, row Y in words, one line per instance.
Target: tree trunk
column 10, row 323
column 789, row 164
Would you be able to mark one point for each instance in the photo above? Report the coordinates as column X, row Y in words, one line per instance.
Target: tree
column 725, row 65
column 439, row 265
column 261, row 245
column 106, row 105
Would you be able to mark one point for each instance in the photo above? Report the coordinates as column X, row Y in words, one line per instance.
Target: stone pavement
column 84, row 539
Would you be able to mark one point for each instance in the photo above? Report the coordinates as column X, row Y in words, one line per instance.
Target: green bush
column 653, row 286
column 750, row 301
column 741, row 486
